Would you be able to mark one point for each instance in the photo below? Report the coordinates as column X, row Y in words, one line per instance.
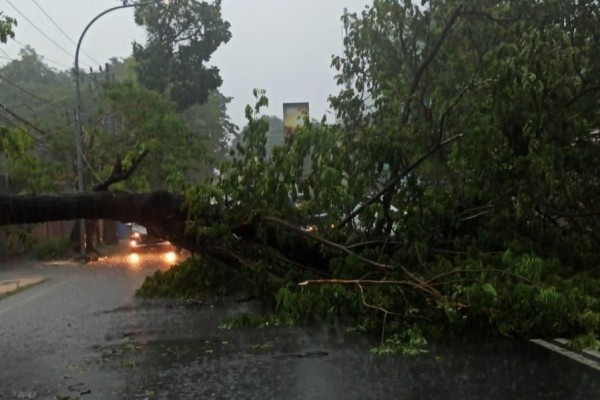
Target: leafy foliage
column 191, row 279
column 182, row 36
column 121, row 120
column 6, row 24
column 52, row 249
column 245, row 320
column 494, row 232
column 148, row 126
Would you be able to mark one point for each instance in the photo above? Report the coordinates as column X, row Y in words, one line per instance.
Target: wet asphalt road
column 82, row 335
column 48, row 332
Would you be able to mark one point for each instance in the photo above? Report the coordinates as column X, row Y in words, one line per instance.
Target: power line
column 42, row 32
column 28, row 92
column 23, row 120
column 6, row 120
column 62, row 31
column 44, row 57
column 6, row 54
column 16, row 116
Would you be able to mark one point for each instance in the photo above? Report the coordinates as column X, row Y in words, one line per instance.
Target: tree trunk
column 109, row 234
column 143, row 208
column 165, row 215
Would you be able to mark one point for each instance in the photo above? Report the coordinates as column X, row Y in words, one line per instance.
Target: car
column 314, row 221
column 141, row 241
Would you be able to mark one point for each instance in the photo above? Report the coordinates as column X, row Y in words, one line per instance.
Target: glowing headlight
column 133, row 258
column 133, row 243
column 135, row 235
column 171, row 257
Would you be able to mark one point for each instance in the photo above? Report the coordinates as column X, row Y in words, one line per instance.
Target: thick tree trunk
column 142, row 208
column 118, row 174
column 163, row 213
column 91, row 235
column 109, row 234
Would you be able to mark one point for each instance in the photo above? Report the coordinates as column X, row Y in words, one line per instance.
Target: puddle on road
column 174, row 351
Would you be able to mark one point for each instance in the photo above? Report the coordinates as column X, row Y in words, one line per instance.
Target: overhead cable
column 21, row 119
column 2, row 78
column 8, row 57
column 37, row 139
column 6, row 120
column 62, row 31
column 43, row 56
column 42, row 32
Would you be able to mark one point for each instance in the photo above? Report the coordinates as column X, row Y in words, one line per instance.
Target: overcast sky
column 283, row 46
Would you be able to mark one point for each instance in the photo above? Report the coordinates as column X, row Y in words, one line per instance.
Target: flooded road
column 81, row 334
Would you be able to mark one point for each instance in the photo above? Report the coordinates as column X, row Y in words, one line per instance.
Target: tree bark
column 143, row 208
column 109, row 234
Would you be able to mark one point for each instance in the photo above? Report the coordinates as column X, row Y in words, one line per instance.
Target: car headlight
column 171, row 257
column 133, row 258
column 133, row 243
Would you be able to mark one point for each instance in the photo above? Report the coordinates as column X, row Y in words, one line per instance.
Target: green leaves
column 494, row 225
column 149, row 121
column 182, row 36
column 6, row 25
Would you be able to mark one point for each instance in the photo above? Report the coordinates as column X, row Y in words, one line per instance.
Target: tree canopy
column 181, row 38
column 122, row 120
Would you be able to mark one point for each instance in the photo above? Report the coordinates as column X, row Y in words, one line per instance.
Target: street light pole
column 78, row 123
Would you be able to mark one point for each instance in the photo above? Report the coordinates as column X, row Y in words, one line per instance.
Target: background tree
column 181, row 37
column 148, row 121
column 36, row 101
column 214, row 129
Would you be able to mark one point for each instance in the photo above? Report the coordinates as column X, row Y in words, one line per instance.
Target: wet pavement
column 81, row 334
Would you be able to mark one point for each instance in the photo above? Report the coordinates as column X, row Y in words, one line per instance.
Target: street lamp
column 79, row 132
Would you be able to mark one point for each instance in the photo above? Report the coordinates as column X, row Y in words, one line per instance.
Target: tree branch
column 118, row 175
column 423, row 67
column 392, row 182
column 499, row 21
column 581, row 94
column 379, row 266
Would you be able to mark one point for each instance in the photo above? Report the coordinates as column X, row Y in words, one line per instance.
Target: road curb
column 589, row 358
column 12, row 286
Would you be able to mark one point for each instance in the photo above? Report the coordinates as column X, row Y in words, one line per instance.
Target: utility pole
column 78, row 122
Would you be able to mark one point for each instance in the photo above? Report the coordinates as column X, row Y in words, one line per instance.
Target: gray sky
column 283, row 46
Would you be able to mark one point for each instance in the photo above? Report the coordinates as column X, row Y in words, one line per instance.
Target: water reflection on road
column 81, row 334
column 192, row 359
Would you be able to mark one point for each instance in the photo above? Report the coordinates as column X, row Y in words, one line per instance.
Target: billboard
column 293, row 116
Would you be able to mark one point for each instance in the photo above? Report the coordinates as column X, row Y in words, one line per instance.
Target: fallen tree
column 166, row 215
column 397, row 223
column 118, row 174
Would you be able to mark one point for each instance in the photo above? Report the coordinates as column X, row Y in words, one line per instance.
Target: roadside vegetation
column 52, row 249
